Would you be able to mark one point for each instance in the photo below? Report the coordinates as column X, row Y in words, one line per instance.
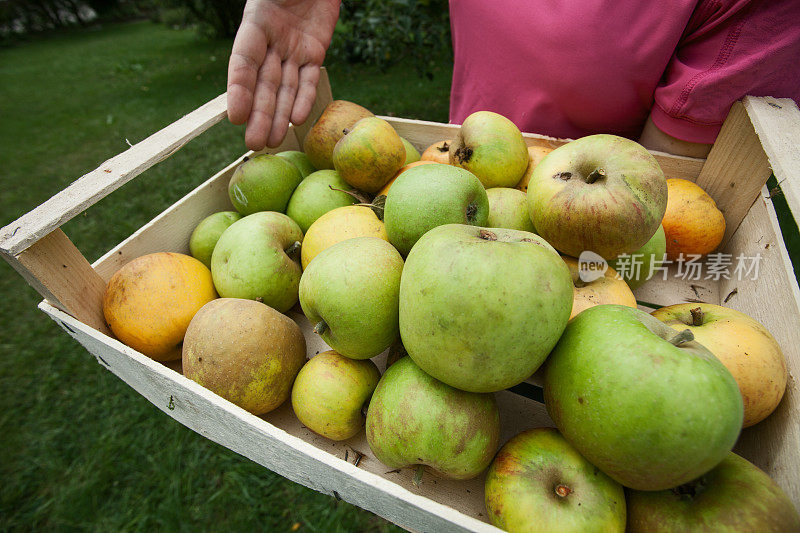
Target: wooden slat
column 324, row 97
column 735, row 170
column 90, row 188
column 772, row 298
column 59, row 272
column 777, row 123
column 422, row 134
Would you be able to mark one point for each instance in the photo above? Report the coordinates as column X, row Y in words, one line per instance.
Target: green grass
column 81, row 450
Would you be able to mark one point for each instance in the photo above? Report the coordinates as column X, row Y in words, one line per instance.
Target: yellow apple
column 607, row 289
column 536, row 154
column 339, row 225
column 743, row 345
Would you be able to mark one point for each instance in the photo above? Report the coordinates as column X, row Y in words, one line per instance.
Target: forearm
column 653, row 138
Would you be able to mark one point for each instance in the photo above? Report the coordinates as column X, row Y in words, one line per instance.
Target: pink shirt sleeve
column 730, row 48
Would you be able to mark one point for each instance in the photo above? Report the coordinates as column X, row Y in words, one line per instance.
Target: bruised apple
column 244, row 351
column 416, row 420
column 602, row 193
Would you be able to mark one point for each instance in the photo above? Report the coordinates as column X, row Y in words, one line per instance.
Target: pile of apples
column 460, row 263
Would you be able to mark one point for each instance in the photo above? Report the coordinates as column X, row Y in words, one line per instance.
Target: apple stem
column 563, row 491
column 321, row 327
column 698, row 316
column 292, row 249
column 417, row 481
column 595, row 175
column 682, row 337
column 352, row 192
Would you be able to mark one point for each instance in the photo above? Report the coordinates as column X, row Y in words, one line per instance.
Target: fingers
column 306, row 93
column 284, row 103
column 259, row 122
column 249, row 49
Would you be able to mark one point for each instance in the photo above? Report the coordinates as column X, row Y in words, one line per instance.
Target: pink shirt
column 569, row 68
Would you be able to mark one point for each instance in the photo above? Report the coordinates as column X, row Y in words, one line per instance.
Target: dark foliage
column 384, row 32
column 216, row 18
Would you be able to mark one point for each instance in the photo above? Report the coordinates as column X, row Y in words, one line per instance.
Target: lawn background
column 81, row 450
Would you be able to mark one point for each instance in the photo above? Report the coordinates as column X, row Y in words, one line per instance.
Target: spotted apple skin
column 539, row 482
column 601, row 193
column 414, row 419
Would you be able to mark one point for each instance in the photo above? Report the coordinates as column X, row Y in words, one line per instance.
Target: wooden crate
column 760, row 136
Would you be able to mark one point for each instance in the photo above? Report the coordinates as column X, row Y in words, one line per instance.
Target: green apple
column 412, row 154
column 641, row 265
column 350, row 292
column 508, row 208
column 263, row 183
column 491, row 147
column 338, row 116
column 480, row 309
column 330, row 391
column 300, row 160
column 645, row 405
column 206, row 234
column 369, row 154
column 414, row 419
column 315, row 196
column 244, row 351
column 539, row 482
column 427, row 196
column 601, row 193
column 257, row 258
column 734, row 496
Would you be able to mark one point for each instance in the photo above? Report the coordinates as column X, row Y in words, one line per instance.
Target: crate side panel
column 772, row 297
column 268, row 445
column 678, row 283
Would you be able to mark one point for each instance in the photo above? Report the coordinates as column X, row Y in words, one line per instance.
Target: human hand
column 274, row 65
